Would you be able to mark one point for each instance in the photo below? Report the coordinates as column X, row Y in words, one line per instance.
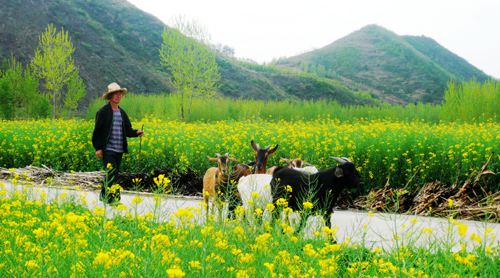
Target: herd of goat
column 296, row 182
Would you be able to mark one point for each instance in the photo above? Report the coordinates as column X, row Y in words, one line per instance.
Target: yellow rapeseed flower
column 308, row 205
column 270, row 207
column 426, row 230
column 281, row 203
column 195, row 265
column 31, row 264
column 136, row 200
column 115, row 188
column 475, row 237
column 462, row 229
column 263, row 240
column 104, row 259
column 258, row 212
column 270, row 267
column 175, row 272
column 255, row 195
column 246, row 258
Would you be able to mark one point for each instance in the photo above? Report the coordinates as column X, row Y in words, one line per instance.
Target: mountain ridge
column 117, row 42
column 388, row 65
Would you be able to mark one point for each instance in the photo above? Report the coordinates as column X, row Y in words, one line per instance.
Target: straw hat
column 113, row 88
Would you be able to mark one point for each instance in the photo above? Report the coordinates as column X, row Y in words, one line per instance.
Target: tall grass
column 466, row 102
column 471, row 101
column 165, row 107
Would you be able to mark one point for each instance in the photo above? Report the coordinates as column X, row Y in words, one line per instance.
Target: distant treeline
column 464, row 102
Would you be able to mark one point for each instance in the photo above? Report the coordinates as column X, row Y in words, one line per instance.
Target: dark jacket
column 102, row 129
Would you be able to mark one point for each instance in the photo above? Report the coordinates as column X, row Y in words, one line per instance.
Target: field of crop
column 403, row 153
column 65, row 239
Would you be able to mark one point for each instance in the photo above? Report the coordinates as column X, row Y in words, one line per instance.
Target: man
column 112, row 127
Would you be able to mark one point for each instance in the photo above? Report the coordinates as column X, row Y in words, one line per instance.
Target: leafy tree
column 190, row 63
column 19, row 93
column 53, row 63
column 75, row 91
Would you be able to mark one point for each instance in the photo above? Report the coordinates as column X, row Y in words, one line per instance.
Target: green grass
column 465, row 102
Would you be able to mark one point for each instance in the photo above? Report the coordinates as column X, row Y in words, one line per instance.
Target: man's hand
column 140, row 132
column 99, row 153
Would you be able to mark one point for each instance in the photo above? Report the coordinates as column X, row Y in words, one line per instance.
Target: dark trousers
column 115, row 159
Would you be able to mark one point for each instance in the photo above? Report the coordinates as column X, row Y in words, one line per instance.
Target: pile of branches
column 182, row 184
column 469, row 200
column 47, row 176
column 385, row 199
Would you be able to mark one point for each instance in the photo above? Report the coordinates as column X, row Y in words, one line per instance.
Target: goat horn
column 339, row 160
column 255, row 146
column 346, row 159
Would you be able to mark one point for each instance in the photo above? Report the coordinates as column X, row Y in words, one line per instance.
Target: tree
column 53, row 64
column 190, row 63
column 75, row 91
column 19, row 93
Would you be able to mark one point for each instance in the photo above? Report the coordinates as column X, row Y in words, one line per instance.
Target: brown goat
column 215, row 176
column 294, row 163
column 290, row 163
column 240, row 170
column 261, row 156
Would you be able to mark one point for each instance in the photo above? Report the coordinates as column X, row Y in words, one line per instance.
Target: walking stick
column 140, row 143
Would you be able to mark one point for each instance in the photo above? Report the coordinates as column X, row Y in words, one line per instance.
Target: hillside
column 398, row 69
column 115, row 41
column 448, row 60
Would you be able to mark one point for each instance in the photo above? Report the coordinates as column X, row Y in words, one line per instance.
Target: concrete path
column 381, row 230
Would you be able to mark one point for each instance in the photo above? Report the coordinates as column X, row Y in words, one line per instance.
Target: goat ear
column 233, row 159
column 273, row 149
column 211, row 158
column 285, row 160
column 254, row 146
column 339, row 172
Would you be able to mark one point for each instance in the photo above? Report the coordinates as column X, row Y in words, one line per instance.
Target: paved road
column 374, row 230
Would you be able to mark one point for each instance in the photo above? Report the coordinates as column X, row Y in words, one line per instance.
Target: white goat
column 259, row 183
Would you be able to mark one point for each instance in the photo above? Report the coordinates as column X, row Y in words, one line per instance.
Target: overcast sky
column 265, row 29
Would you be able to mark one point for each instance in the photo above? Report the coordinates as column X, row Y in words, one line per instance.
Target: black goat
column 322, row 188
